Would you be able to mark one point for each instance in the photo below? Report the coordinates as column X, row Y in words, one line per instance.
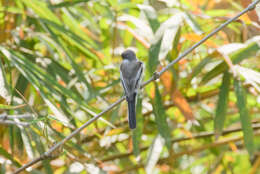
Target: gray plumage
column 131, row 70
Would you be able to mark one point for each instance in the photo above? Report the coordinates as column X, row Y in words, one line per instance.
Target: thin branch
column 8, row 122
column 194, row 98
column 56, row 146
column 26, row 102
column 176, row 140
column 153, row 78
column 18, row 116
column 191, row 151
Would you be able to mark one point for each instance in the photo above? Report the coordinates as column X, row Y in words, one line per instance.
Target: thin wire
column 154, row 77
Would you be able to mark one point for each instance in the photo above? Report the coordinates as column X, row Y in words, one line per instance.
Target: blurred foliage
column 59, row 62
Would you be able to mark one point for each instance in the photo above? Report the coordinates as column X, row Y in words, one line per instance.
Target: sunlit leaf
column 2, row 106
column 167, row 32
column 42, row 10
column 151, row 16
column 154, row 153
column 4, row 88
column 236, row 57
column 252, row 77
column 141, row 26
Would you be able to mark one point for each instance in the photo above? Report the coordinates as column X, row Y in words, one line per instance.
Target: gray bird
column 131, row 70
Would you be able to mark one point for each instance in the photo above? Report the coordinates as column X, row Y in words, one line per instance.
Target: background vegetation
column 60, row 67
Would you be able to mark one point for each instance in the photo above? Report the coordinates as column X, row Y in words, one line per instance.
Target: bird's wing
column 127, row 92
column 138, row 78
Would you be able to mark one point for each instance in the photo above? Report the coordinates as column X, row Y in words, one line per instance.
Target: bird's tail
column 131, row 111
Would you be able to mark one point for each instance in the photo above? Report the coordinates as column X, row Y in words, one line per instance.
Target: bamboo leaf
column 2, row 168
column 244, row 117
column 175, row 51
column 143, row 28
column 71, row 37
column 9, row 156
column 151, row 15
column 74, row 26
column 197, row 69
column 153, row 60
column 161, row 118
column 167, row 32
column 236, row 57
column 154, row 153
column 67, row 3
column 41, row 9
column 221, row 110
column 4, row 88
column 27, row 143
column 41, row 150
column 137, row 133
column 2, row 106
column 192, row 23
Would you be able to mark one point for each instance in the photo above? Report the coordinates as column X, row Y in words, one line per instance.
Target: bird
column 131, row 71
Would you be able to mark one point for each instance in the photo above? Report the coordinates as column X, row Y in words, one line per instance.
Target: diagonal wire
column 153, row 78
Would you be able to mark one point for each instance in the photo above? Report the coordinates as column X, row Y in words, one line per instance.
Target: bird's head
column 128, row 55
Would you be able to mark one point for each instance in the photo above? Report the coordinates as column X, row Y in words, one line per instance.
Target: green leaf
column 218, row 12
column 236, row 57
column 222, row 105
column 161, row 118
column 67, row 3
column 127, row 5
column 2, row 106
column 192, row 23
column 175, row 52
column 69, row 36
column 244, row 117
column 197, row 69
column 42, row 10
column 40, row 148
column 151, row 15
column 137, row 133
column 2, row 168
column 153, row 57
column 7, row 155
column 74, row 26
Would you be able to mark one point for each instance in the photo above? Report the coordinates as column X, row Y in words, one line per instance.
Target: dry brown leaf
column 233, row 146
column 166, row 79
column 251, row 14
column 195, row 38
column 182, row 104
